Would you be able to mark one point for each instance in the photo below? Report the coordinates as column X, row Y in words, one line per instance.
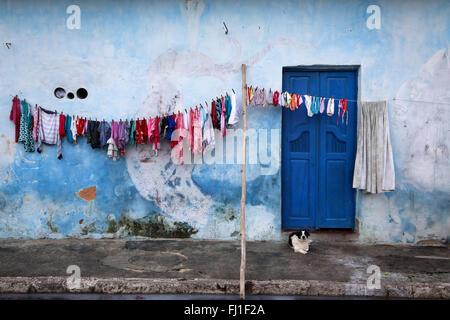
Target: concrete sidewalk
column 212, row 267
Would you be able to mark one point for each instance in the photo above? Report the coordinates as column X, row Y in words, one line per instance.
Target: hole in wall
column 60, row 93
column 82, row 93
column 70, row 95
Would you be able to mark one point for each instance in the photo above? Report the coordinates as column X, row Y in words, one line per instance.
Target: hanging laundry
column 322, row 104
column 171, row 126
column 74, row 129
column 197, row 147
column 93, row 134
column 308, row 102
column 35, row 123
column 315, row 105
column 49, row 130
column 16, row 115
column 342, row 109
column 131, row 140
column 374, row 163
column 62, row 124
column 208, row 134
column 299, row 100
column 115, row 131
column 275, row 98
column 223, row 128
column 203, row 116
column 219, row 112
column 113, row 151
column 181, row 133
column 123, row 135
column 67, row 128
column 227, row 103
column 234, row 116
column 163, row 125
column 270, row 96
column 25, row 132
column 104, row 130
column 264, row 97
column 190, row 138
column 153, row 133
column 251, row 95
column 282, row 99
column 141, row 131
column 330, row 107
column 293, row 104
column 213, row 114
column 80, row 126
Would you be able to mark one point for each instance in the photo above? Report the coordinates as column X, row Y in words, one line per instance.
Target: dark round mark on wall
column 70, row 95
column 82, row 93
column 60, row 93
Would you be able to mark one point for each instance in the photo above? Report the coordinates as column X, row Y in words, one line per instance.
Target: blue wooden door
column 318, row 154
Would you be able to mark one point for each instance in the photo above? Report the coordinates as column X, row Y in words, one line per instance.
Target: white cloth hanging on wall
column 374, row 163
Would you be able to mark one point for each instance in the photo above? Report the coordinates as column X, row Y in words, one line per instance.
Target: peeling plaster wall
column 142, row 58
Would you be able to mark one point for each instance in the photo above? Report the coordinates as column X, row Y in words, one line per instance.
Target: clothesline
column 164, row 114
column 391, row 99
column 196, row 126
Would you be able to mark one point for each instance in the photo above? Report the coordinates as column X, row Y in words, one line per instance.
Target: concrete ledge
column 220, row 286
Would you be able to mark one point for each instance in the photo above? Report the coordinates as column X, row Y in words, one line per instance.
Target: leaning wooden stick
column 244, row 161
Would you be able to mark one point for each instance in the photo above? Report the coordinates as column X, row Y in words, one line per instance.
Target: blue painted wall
column 142, row 58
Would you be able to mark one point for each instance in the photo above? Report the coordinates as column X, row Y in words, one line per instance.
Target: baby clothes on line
column 49, row 130
column 308, row 101
column 330, row 107
column 113, row 151
column 208, row 134
column 234, row 116
column 197, row 147
column 322, row 104
column 275, row 98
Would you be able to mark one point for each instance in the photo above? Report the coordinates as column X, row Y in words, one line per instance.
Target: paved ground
column 212, row 267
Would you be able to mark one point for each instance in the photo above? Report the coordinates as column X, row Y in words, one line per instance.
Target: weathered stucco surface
column 142, row 58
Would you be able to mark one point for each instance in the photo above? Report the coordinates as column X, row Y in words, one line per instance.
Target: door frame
column 323, row 68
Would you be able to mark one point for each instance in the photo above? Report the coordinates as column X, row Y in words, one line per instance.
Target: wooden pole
column 244, row 187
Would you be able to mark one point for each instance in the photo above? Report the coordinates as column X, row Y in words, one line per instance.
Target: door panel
column 318, row 154
column 299, row 196
column 337, row 148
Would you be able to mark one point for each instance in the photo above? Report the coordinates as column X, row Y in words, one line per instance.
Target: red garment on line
column 214, row 114
column 62, row 123
column 80, row 125
column 15, row 115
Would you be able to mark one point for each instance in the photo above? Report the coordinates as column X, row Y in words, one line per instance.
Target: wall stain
column 154, row 226
column 87, row 194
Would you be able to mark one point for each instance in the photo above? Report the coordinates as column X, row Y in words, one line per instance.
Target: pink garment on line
column 223, row 128
column 197, row 132
column 180, row 133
